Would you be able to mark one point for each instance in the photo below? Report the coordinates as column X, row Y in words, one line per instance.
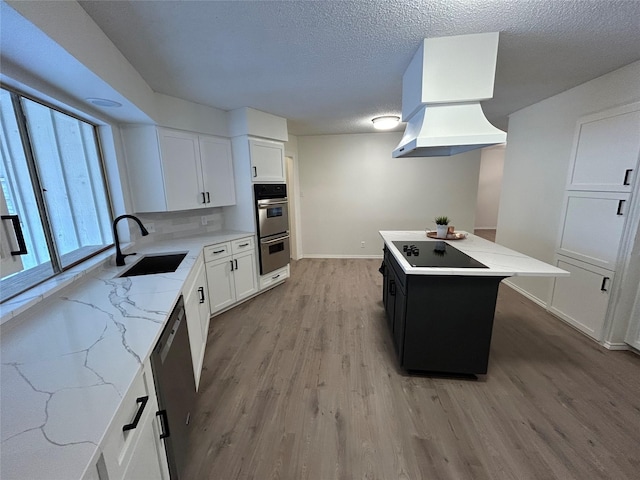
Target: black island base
column 441, row 324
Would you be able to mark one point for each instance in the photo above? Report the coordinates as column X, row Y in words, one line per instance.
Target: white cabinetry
column 274, row 278
column 597, row 203
column 171, row 170
column 606, row 151
column 196, row 304
column 231, row 272
column 593, row 225
column 582, row 298
column 136, row 453
column 267, row 160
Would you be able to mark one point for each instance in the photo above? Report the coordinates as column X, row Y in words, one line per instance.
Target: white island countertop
column 68, row 360
column 501, row 261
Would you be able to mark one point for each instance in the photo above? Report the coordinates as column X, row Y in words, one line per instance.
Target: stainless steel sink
column 150, row 264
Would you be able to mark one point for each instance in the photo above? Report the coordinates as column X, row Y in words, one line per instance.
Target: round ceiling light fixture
column 386, row 122
column 103, row 102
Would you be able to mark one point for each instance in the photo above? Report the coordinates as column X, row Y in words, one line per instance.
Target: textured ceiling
column 330, row 66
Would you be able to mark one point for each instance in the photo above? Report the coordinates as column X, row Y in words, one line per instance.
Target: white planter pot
column 441, row 231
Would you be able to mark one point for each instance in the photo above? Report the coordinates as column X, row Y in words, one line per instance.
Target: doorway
column 294, row 208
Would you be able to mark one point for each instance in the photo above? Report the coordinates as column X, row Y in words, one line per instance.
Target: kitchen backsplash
column 170, row 225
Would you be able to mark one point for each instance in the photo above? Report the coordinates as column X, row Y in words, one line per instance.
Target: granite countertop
column 502, row 261
column 68, row 359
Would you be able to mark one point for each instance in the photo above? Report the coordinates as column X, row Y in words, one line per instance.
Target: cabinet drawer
column 274, row 277
column 242, row 245
column 118, row 444
column 219, row 250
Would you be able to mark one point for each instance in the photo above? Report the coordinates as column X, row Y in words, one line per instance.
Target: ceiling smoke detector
column 103, row 102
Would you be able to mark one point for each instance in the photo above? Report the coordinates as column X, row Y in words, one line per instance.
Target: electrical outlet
column 151, row 228
column 203, row 219
column 361, row 244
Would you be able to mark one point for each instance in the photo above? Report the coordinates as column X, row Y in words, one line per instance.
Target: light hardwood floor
column 302, row 383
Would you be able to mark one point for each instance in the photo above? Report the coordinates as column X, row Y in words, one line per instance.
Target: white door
column 267, row 161
column 181, row 170
column 593, row 226
column 606, row 150
column 221, row 284
column 217, row 171
column 582, row 298
column 245, row 275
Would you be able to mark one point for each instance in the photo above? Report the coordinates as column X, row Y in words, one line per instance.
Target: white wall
column 351, row 188
column 536, row 162
column 489, row 186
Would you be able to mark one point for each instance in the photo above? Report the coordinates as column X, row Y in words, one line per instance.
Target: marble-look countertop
column 502, row 261
column 69, row 357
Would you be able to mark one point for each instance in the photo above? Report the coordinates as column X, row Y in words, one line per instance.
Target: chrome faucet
column 119, row 255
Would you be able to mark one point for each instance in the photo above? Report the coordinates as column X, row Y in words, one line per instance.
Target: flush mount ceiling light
column 103, row 102
column 386, row 122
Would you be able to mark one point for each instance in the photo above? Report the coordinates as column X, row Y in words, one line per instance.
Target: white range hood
column 441, row 93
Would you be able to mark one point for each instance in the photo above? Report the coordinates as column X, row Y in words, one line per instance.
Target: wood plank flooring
column 302, row 383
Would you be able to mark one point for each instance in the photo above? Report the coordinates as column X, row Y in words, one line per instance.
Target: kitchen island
column 440, row 297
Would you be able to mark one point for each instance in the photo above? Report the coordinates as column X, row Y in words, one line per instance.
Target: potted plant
column 442, row 223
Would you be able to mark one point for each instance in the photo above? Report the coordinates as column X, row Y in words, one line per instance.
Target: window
column 54, row 193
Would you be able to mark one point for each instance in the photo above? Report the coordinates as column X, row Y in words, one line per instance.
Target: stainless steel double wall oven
column 272, row 219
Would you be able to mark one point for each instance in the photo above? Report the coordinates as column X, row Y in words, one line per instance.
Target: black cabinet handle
column 208, row 198
column 627, row 175
column 22, row 246
column 236, row 262
column 218, row 251
column 392, row 287
column 603, row 287
column 243, row 245
column 620, row 204
column 255, row 172
column 143, row 403
column 275, row 277
column 165, row 424
column 231, row 262
column 204, row 199
column 201, row 292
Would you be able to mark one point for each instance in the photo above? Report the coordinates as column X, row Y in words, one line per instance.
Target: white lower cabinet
column 273, row 278
column 582, row 298
column 196, row 304
column 137, row 452
column 231, row 272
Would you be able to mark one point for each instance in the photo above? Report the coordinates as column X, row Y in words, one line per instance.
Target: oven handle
column 268, row 203
column 269, row 242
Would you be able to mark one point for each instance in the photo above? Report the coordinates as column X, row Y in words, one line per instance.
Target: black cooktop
column 435, row 254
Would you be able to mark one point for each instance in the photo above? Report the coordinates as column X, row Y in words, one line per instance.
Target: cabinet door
column 221, row 284
column 606, row 149
column 217, row 171
column 593, row 226
column 399, row 317
column 582, row 298
column 146, row 463
column 194, row 298
column 267, row 160
column 181, row 169
column 245, row 275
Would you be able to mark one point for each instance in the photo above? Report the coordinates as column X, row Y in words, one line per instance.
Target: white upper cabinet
column 172, row 170
column 267, row 160
column 180, row 158
column 217, row 170
column 606, row 149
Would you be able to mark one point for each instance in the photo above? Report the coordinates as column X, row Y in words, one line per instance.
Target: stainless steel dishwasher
column 173, row 375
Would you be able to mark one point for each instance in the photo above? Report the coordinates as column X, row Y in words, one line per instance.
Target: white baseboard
column 524, row 293
column 616, row 346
